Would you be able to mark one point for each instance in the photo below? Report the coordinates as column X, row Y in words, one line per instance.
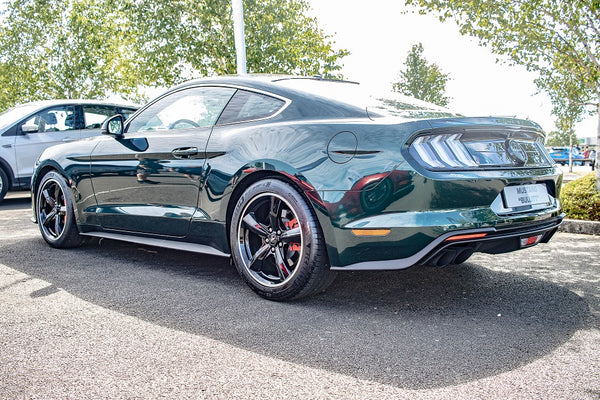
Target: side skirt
column 169, row 244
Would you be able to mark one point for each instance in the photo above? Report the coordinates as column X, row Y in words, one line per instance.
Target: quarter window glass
column 95, row 115
column 185, row 109
column 247, row 106
column 54, row 119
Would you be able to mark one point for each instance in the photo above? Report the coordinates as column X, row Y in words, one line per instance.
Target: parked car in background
column 561, row 156
column 26, row 130
column 294, row 178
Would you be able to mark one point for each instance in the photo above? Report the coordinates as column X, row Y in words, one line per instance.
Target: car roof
column 59, row 102
column 267, row 82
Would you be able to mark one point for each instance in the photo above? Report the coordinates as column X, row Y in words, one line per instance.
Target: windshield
column 14, row 114
column 383, row 104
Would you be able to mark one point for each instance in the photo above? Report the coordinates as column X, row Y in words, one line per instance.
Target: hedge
column 580, row 199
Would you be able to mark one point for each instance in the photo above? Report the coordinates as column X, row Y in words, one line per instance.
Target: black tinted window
column 247, row 106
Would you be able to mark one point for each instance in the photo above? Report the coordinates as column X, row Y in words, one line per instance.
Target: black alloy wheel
column 276, row 242
column 54, row 211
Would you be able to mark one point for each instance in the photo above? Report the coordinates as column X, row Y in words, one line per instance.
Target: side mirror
column 113, row 126
column 25, row 129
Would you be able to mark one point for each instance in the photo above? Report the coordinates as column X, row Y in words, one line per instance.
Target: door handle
column 67, row 140
column 184, row 152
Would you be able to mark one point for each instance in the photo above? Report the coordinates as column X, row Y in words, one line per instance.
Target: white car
column 28, row 129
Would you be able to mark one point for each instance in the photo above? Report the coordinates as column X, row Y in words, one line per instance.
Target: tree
column 568, row 106
column 422, row 80
column 197, row 37
column 94, row 48
column 560, row 138
column 558, row 38
column 60, row 49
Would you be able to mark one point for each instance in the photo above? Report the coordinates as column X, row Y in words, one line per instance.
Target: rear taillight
column 457, row 151
column 442, row 151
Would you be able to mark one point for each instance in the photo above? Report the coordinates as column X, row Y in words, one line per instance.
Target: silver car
column 26, row 130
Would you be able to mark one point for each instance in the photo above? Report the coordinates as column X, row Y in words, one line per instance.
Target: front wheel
column 276, row 242
column 54, row 211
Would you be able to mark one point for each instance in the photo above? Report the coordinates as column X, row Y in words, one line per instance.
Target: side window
column 94, row 115
column 55, row 119
column 188, row 108
column 247, row 106
column 126, row 112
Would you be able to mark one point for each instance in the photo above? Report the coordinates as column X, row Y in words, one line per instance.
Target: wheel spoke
column 255, row 226
column 261, row 254
column 281, row 266
column 49, row 218
column 48, row 198
column 274, row 213
column 57, row 226
column 292, row 235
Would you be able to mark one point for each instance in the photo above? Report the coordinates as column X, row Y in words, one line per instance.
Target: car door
column 148, row 181
column 51, row 126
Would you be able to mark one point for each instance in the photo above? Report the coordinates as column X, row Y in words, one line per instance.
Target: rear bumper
column 452, row 246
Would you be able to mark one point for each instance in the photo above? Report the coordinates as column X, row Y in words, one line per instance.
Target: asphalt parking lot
column 118, row 320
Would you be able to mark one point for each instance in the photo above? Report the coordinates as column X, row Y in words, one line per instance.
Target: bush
column 580, row 199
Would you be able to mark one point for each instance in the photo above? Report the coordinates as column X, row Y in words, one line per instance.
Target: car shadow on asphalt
column 16, row 201
column 419, row 328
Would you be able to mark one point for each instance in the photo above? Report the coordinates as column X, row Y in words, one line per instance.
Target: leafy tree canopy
column 92, row 48
column 422, row 80
column 559, row 139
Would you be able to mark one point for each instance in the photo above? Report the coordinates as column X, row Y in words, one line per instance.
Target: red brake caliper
column 291, row 225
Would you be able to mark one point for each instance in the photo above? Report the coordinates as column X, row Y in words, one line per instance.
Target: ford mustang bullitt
column 296, row 178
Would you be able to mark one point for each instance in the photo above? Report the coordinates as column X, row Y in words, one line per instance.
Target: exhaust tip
column 463, row 255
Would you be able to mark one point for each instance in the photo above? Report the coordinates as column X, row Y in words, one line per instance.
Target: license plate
column 525, row 195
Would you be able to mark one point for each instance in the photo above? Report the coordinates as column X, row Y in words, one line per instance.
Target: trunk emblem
column 516, row 152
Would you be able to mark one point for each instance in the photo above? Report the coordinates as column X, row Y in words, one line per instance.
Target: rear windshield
column 383, row 104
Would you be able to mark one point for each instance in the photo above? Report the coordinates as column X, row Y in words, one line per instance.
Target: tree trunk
column 570, row 132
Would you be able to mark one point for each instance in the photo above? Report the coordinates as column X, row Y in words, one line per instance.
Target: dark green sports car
column 295, row 178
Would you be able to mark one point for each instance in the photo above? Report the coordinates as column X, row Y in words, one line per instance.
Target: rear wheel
column 54, row 211
column 3, row 184
column 276, row 243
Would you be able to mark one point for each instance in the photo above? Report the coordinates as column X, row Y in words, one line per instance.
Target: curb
column 579, row 226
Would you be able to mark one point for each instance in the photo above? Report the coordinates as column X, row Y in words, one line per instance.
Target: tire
column 4, row 183
column 277, row 245
column 54, row 212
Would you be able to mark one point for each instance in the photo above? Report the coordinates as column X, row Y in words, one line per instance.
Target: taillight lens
column 457, row 151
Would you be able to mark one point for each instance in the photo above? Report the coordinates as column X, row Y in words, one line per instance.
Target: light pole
column 238, row 34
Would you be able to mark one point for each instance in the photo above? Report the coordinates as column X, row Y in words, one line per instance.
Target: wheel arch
column 38, row 174
column 288, row 175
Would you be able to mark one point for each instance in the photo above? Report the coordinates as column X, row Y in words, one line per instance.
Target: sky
column 379, row 37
